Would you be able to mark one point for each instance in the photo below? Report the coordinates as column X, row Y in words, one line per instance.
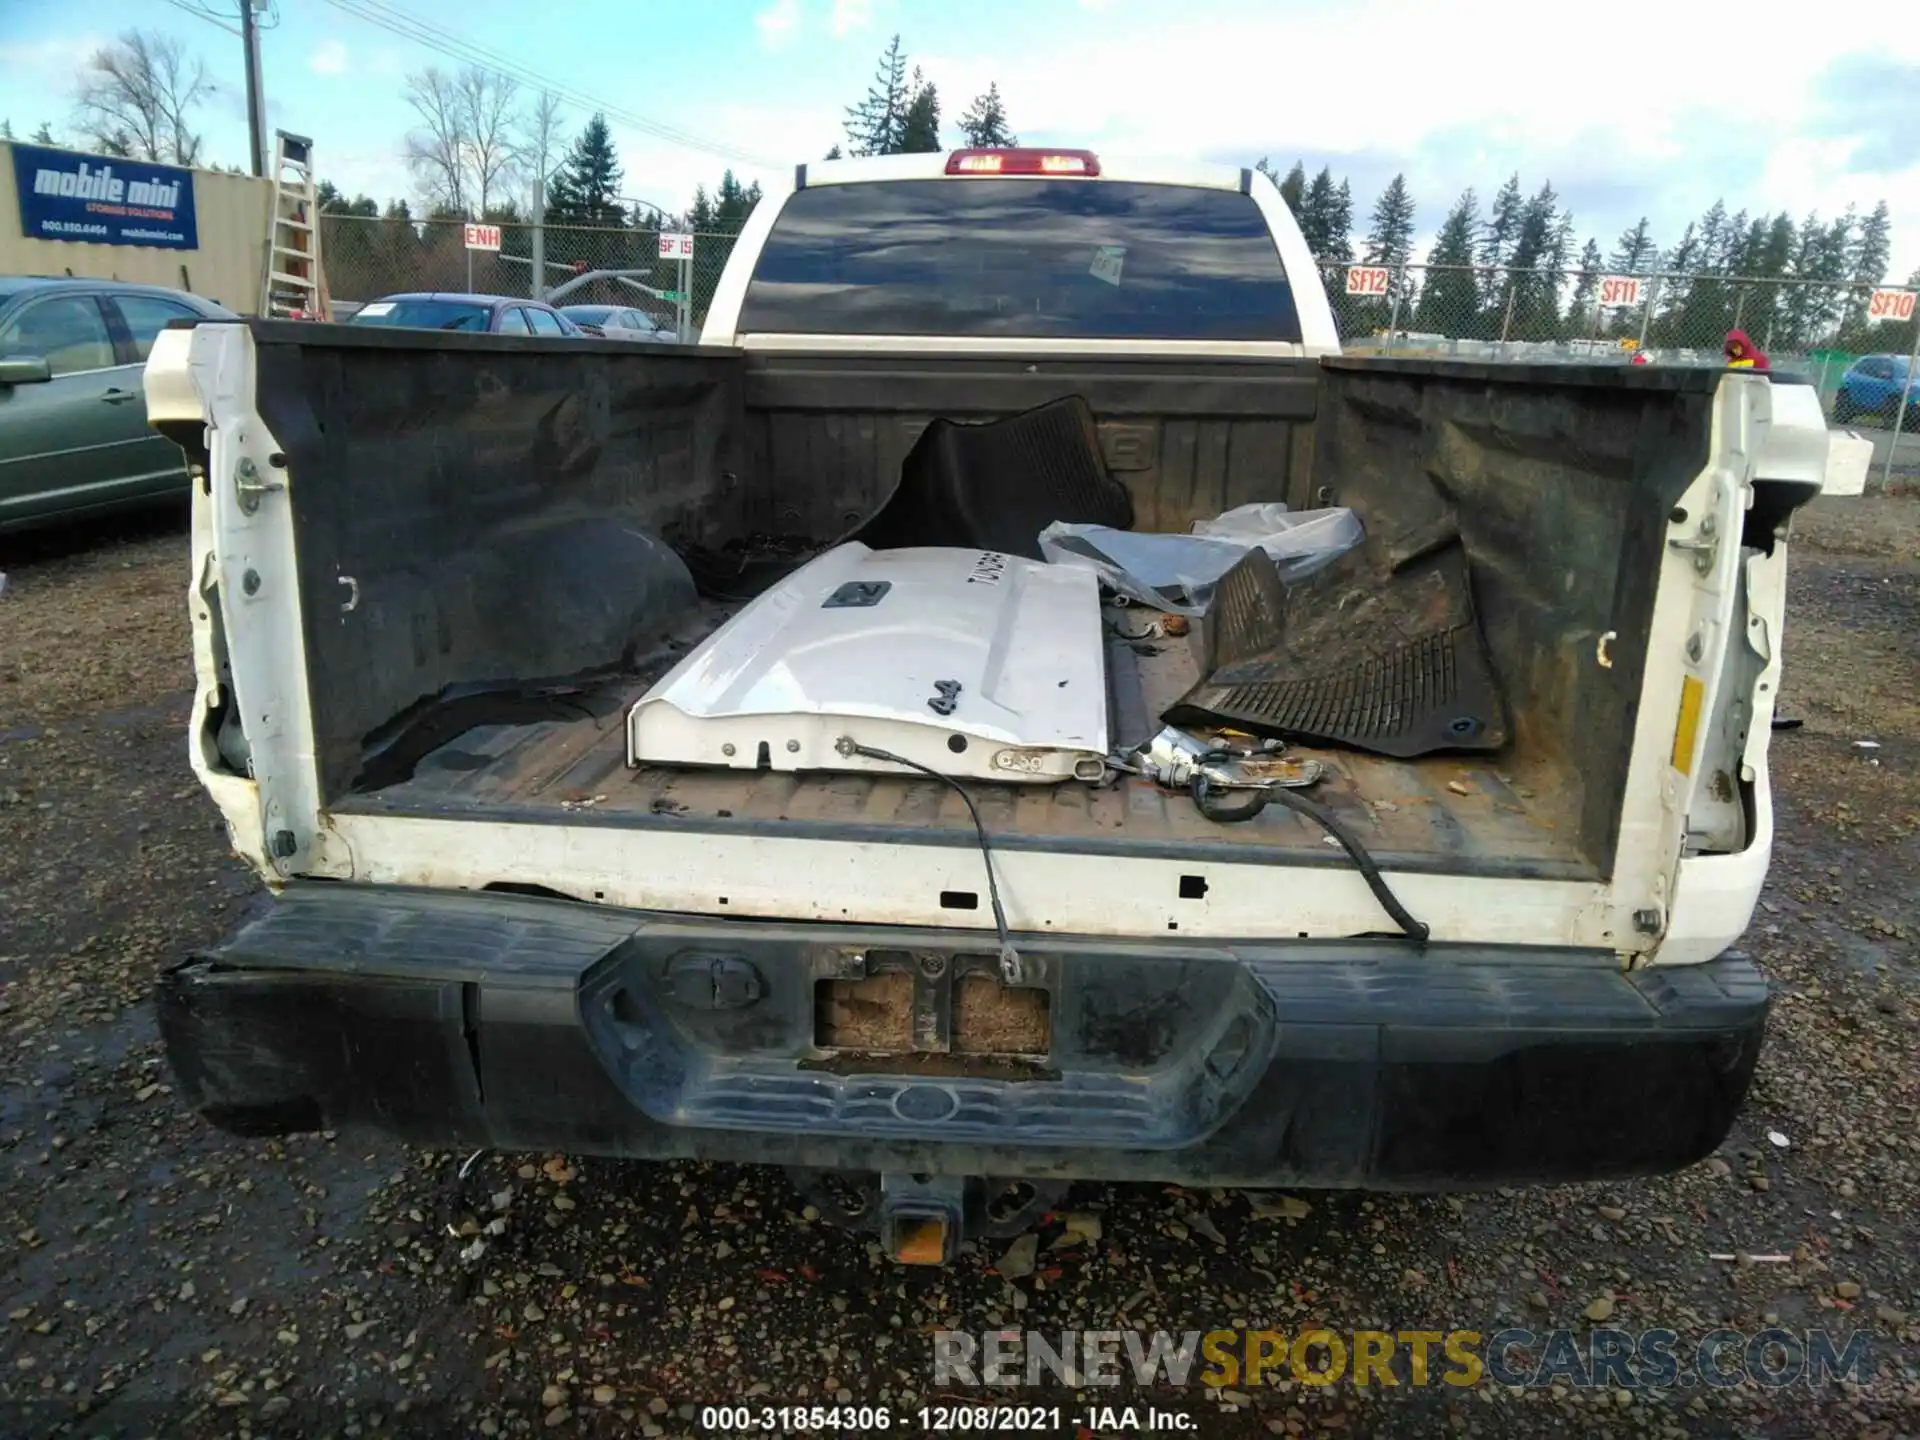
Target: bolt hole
column 957, row 744
column 1678, row 515
column 599, row 894
column 959, row 900
column 1173, row 924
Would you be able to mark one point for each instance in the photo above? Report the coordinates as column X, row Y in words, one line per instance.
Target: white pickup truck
column 432, row 574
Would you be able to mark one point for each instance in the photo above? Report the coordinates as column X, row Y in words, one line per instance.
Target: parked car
column 614, row 322
column 73, row 415
column 481, row 314
column 1869, row 388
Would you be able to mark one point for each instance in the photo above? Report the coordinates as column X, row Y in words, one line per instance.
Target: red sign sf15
column 675, row 246
column 1368, row 280
column 483, row 237
column 1891, row 305
column 1620, row 290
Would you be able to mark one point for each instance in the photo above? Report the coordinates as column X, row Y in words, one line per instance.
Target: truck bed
column 1511, row 821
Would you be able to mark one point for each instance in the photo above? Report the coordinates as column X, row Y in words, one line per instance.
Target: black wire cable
column 1326, row 820
column 1009, row 957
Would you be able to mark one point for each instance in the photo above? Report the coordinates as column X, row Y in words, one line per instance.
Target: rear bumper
column 522, row 1023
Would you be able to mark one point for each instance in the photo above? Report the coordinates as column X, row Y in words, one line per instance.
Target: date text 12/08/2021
column 942, row 1419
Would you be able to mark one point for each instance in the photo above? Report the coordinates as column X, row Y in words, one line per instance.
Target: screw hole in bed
column 1193, row 887
column 959, row 900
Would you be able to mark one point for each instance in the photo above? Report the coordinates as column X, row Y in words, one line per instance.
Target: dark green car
column 73, row 413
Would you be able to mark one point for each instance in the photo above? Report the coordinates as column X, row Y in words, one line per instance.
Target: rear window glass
column 423, row 314
column 1029, row 259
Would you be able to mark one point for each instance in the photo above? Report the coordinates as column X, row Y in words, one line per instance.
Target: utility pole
column 256, row 102
column 540, row 226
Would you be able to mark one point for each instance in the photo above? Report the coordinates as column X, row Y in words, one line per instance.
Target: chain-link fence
column 367, row 258
column 1496, row 313
column 1818, row 329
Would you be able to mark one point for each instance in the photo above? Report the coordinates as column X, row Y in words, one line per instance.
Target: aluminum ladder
column 293, row 287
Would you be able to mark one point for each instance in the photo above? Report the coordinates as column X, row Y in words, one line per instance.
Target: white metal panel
column 862, row 644
column 894, row 883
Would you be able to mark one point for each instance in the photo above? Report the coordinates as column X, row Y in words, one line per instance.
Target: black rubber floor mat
column 997, row 486
column 1361, row 653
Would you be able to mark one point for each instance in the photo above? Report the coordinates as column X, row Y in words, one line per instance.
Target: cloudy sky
column 1755, row 103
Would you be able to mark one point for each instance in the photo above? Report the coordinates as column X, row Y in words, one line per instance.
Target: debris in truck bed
column 996, row 486
column 1379, row 655
column 742, row 568
column 973, row 664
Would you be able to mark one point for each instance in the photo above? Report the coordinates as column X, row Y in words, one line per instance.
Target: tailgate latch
column 249, row 484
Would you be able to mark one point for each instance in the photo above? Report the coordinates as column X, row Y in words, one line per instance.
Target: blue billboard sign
column 103, row 200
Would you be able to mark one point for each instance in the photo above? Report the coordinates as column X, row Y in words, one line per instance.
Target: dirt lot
column 159, row 1277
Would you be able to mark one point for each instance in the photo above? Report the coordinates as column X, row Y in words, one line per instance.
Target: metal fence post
column 1903, row 388
column 1513, row 291
column 1646, row 315
column 1393, row 312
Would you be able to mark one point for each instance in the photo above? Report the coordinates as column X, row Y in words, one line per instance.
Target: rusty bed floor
column 1512, row 820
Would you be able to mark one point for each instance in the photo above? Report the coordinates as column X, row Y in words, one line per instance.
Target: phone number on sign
column 796, row 1419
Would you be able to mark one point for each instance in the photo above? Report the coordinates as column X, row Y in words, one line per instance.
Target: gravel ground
column 159, row 1277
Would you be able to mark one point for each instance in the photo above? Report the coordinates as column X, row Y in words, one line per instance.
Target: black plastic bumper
column 522, row 1023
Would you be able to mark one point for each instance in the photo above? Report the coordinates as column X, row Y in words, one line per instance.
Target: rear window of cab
column 1021, row 259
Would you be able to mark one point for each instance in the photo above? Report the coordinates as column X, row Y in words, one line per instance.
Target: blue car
column 479, row 314
column 1870, row 386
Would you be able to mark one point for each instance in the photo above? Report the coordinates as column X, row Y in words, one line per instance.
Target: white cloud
column 1321, row 83
column 330, row 58
column 851, row 15
column 46, row 58
column 778, row 24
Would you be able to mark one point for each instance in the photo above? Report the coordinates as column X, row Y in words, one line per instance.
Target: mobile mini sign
column 102, row 200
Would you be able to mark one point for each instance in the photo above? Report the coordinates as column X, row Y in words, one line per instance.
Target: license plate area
column 933, row 1012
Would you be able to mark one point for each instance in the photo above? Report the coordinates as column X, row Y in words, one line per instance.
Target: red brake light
column 1023, row 162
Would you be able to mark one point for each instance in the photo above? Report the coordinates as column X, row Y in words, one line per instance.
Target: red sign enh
column 483, row 237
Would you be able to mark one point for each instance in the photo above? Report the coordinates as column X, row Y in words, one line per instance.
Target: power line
column 423, row 33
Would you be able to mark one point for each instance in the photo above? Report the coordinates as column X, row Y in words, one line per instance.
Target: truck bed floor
column 1514, row 820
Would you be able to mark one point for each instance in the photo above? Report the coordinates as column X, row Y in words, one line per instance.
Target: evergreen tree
column 1294, row 186
column 585, row 189
column 984, row 122
column 833, row 154
column 1535, row 299
column 920, row 127
column 1316, row 199
column 1582, row 314
column 6, row 129
column 43, row 135
column 1635, row 252
column 1867, row 256
column 874, row 126
column 1389, row 242
column 1496, row 248
column 1450, row 298
column 1339, row 223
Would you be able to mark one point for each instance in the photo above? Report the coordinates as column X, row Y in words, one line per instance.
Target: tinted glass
column 513, row 321
column 1052, row 259
column 423, row 314
column 68, row 332
column 147, row 316
column 591, row 314
column 545, row 322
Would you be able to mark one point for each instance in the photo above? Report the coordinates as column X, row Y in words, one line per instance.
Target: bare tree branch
column 135, row 97
column 486, row 103
column 464, row 153
column 436, row 153
column 537, row 144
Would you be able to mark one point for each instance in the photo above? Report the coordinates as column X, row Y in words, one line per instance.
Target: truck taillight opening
column 1023, row 162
